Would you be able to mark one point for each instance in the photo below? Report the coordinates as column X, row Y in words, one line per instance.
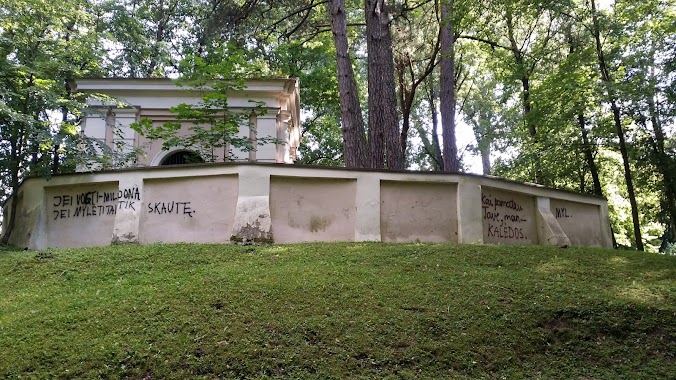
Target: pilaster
column 606, row 231
column 367, row 216
column 266, row 128
column 470, row 222
column 281, row 146
column 128, row 209
column 549, row 230
column 252, row 215
column 123, row 132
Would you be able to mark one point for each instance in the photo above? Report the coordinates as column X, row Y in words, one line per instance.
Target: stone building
column 130, row 100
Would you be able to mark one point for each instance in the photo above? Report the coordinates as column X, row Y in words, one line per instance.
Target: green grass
column 349, row 310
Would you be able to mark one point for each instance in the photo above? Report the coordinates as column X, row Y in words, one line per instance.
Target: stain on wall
column 79, row 216
column 312, row 209
column 508, row 217
column 581, row 222
column 195, row 209
column 424, row 211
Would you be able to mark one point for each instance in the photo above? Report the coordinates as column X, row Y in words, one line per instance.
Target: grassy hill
column 349, row 310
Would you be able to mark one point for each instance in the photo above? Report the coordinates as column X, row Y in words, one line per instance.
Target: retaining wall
column 218, row 203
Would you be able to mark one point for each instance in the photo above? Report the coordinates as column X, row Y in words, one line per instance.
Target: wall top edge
column 315, row 171
column 91, row 85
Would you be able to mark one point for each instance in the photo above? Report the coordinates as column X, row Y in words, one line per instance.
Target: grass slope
column 349, row 310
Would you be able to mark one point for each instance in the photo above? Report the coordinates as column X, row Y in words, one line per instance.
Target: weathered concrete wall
column 190, row 209
column 84, row 215
column 312, row 209
column 580, row 222
column 285, row 203
column 508, row 217
column 424, row 211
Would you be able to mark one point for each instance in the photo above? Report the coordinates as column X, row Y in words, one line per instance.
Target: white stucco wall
column 288, row 203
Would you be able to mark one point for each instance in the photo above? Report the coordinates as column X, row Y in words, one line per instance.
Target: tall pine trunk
column 447, row 96
column 382, row 101
column 605, row 76
column 582, row 123
column 589, row 155
column 665, row 166
column 524, row 74
column 435, row 149
column 14, row 162
column 355, row 151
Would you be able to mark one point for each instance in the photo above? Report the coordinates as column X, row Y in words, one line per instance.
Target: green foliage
column 314, row 64
column 213, row 45
column 358, row 310
column 215, row 126
column 43, row 46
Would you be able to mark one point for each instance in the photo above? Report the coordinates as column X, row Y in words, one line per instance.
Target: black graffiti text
column 173, row 207
column 562, row 213
column 84, row 211
column 512, row 205
column 504, row 217
column 506, row 232
column 97, row 197
column 95, row 203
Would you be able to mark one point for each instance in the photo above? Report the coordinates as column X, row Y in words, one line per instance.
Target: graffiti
column 562, row 213
column 99, row 203
column 178, row 208
column 506, row 232
column 503, row 217
column 94, row 203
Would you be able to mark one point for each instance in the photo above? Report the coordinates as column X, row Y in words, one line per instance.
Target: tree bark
column 525, row 78
column 405, row 101
column 605, row 76
column 447, row 96
column 355, row 151
column 664, row 166
column 581, row 122
column 15, row 151
column 436, row 147
column 382, row 101
column 485, row 150
column 589, row 155
column 407, row 92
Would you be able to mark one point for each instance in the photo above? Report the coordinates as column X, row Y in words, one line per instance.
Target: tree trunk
column 581, row 122
column 436, row 147
column 485, row 150
column 605, row 76
column 382, row 100
column 355, row 151
column 627, row 174
column 589, row 155
column 525, row 87
column 15, row 148
column 447, row 96
column 664, row 166
column 405, row 102
column 525, row 79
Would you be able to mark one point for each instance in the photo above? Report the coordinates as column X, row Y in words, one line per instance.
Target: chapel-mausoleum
column 257, row 196
column 271, row 108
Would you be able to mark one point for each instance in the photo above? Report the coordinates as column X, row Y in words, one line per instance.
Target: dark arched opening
column 182, row 157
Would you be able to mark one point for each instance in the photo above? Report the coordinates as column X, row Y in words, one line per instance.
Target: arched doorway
column 182, row 157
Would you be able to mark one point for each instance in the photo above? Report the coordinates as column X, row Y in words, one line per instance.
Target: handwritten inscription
column 98, row 203
column 94, row 203
column 178, row 208
column 504, row 218
column 562, row 213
